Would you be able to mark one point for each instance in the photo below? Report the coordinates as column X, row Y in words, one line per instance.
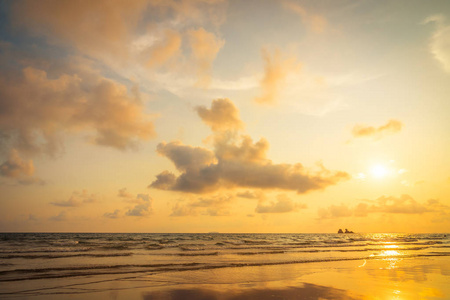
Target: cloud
column 376, row 133
column 164, row 181
column 277, row 68
column 142, row 39
column 440, row 41
column 184, row 157
column 113, row 215
column 62, row 216
column 211, row 206
column 166, row 51
column 236, row 162
column 76, row 199
column 204, row 46
column 198, row 11
column 283, row 204
column 335, row 211
column 15, row 166
column 19, row 169
column 404, row 204
column 31, row 180
column 37, row 111
column 223, row 115
column 143, row 207
column 99, row 28
column 238, row 171
column 32, row 218
column 249, row 195
column 316, row 23
column 123, row 193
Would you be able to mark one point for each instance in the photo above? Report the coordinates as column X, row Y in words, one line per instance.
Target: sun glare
column 378, row 171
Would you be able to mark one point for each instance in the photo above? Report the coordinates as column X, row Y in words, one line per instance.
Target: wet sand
column 390, row 278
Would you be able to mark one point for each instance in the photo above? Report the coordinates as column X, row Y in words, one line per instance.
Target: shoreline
column 402, row 278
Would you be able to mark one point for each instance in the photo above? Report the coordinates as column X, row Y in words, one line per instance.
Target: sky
column 228, row 116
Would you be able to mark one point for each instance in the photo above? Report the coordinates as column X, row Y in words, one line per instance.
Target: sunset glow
column 224, row 116
column 379, row 171
column 218, row 149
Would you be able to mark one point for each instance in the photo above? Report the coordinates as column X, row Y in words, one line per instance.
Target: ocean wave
column 196, row 254
column 258, row 253
column 52, row 273
column 45, row 250
column 116, row 247
column 254, row 242
column 64, row 243
column 191, row 249
column 153, row 247
column 51, row 256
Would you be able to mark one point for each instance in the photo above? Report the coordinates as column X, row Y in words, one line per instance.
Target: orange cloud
column 277, row 68
column 186, row 157
column 204, row 46
column 37, row 111
column 223, row 115
column 123, row 193
column 62, row 216
column 249, row 195
column 15, row 166
column 236, row 162
column 113, row 32
column 214, row 206
column 316, row 23
column 392, row 126
column 114, row 215
column 90, row 26
column 335, row 211
column 195, row 11
column 76, row 199
column 283, row 204
column 404, row 204
column 19, row 169
column 142, row 208
column 169, row 49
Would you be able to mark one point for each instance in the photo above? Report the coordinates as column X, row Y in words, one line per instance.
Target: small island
column 346, row 231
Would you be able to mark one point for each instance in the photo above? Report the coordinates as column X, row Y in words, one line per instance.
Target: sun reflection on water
column 391, row 256
column 391, row 246
column 390, row 253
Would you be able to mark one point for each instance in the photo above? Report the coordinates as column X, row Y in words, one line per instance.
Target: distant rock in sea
column 346, row 231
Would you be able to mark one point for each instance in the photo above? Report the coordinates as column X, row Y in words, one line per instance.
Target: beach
column 418, row 268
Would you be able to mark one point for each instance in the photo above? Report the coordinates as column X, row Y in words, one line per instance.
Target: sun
column 379, row 171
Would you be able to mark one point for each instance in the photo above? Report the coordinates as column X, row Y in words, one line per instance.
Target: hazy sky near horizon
column 229, row 116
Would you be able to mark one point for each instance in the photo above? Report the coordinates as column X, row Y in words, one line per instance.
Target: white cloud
column 440, row 40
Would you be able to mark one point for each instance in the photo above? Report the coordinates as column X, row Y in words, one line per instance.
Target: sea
column 26, row 257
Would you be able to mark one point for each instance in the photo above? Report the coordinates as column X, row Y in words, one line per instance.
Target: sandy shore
column 410, row 278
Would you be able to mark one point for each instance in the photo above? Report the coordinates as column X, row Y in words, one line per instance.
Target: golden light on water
column 390, row 253
column 391, row 246
column 391, row 256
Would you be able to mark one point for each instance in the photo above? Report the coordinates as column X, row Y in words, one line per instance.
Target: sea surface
column 29, row 257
